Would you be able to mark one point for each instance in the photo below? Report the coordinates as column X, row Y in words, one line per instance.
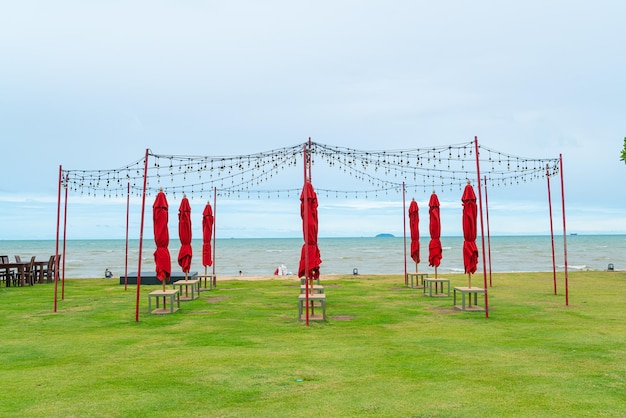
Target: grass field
column 385, row 350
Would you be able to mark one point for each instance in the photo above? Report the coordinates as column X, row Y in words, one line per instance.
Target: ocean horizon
column 366, row 255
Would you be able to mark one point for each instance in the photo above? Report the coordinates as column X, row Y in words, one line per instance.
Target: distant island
column 385, row 236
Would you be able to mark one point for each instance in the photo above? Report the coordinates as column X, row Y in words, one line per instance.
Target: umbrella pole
column 469, row 276
column 435, row 272
column 416, row 267
column 163, row 285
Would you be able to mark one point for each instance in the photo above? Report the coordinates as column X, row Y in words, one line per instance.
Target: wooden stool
column 193, row 284
column 418, row 277
column 211, row 278
column 429, row 283
column 315, row 300
column 469, row 291
column 316, row 288
column 171, row 294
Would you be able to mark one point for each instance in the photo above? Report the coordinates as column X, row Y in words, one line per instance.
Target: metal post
column 143, row 215
column 127, row 221
column 488, row 232
column 551, row 228
column 305, row 215
column 64, row 241
column 56, row 280
column 406, row 280
column 564, row 233
column 214, row 234
column 482, row 227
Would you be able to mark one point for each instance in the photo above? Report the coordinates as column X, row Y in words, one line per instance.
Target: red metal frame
column 551, row 228
column 482, row 227
column 56, row 280
column 488, row 233
column 564, row 233
column 143, row 215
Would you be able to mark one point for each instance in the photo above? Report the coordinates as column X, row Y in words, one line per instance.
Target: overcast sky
column 91, row 85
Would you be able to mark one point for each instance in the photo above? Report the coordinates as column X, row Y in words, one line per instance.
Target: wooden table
column 428, row 283
column 187, row 284
column 418, row 277
column 172, row 294
column 469, row 291
column 20, row 269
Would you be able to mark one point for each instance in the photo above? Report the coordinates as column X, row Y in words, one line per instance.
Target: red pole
column 406, row 281
column 56, row 279
column 482, row 228
column 306, row 236
column 551, row 228
column 214, row 217
column 64, row 241
column 488, row 233
column 564, row 233
column 310, row 163
column 143, row 215
column 127, row 219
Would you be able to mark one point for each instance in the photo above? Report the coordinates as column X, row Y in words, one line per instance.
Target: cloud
column 532, row 79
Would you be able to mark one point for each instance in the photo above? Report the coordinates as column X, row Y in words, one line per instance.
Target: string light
column 242, row 175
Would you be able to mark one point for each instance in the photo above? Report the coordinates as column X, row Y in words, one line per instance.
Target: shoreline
column 294, row 278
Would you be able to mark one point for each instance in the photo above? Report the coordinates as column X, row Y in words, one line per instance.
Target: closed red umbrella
column 310, row 260
column 207, row 234
column 434, row 246
column 162, row 258
column 184, row 233
column 414, row 220
column 470, row 251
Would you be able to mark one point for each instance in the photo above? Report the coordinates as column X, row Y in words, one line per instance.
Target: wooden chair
column 50, row 270
column 4, row 274
column 29, row 274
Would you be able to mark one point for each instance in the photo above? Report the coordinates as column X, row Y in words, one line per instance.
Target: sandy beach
column 292, row 277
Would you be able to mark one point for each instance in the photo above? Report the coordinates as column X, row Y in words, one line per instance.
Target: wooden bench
column 172, row 294
column 469, row 291
column 211, row 278
column 194, row 285
column 428, row 284
column 418, row 277
column 316, row 300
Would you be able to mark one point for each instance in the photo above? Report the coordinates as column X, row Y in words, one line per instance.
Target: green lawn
column 385, row 350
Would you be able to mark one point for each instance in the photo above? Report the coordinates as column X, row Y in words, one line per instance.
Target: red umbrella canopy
column 414, row 221
column 470, row 251
column 434, row 246
column 161, row 237
column 310, row 256
column 184, row 233
column 207, row 234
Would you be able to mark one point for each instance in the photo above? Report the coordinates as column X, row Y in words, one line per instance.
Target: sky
column 92, row 85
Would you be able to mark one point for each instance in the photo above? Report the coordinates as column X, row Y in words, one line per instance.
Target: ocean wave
column 581, row 268
column 454, row 270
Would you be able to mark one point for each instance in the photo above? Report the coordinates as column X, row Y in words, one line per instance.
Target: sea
column 362, row 255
